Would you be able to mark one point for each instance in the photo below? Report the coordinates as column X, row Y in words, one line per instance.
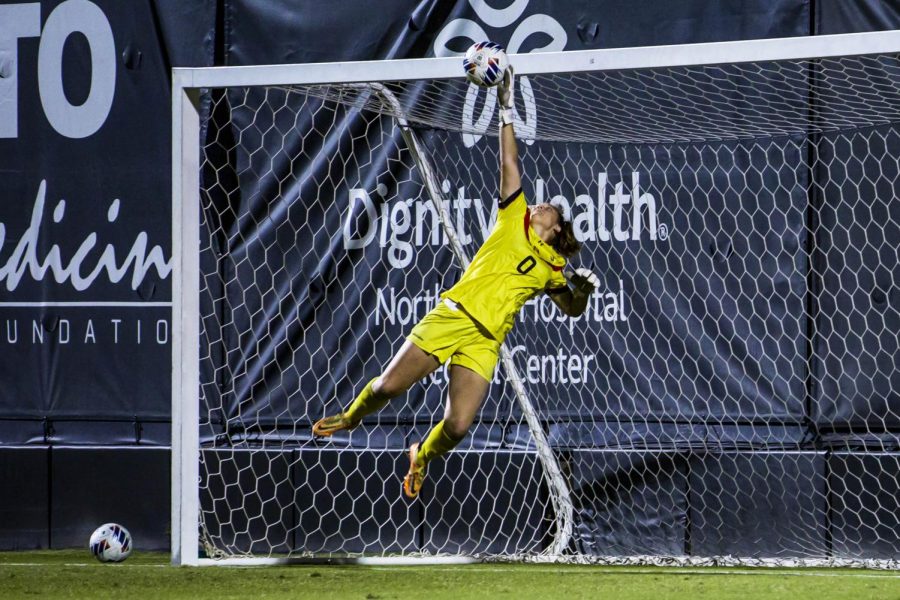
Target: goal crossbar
column 614, row 59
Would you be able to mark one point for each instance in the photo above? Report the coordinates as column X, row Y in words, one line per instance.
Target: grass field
column 74, row 574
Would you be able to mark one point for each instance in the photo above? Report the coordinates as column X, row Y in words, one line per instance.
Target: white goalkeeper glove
column 584, row 280
column 506, row 90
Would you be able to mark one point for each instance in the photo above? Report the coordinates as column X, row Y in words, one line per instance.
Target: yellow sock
column 436, row 444
column 366, row 403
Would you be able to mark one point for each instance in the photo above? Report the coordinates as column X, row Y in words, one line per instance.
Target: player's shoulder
column 511, row 208
column 516, row 197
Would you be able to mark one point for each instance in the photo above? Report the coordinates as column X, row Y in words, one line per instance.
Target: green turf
column 74, row 574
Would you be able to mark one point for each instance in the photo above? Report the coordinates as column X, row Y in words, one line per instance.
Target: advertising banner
column 85, row 259
column 85, row 250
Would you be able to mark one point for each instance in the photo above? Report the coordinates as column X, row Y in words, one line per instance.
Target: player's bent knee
column 388, row 387
column 456, row 429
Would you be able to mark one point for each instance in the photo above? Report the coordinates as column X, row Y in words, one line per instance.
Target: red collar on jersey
column 543, row 247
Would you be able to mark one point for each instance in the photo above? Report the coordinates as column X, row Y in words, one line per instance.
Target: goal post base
column 370, row 561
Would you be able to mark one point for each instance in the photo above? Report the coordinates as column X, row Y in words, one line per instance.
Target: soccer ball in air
column 111, row 543
column 485, row 63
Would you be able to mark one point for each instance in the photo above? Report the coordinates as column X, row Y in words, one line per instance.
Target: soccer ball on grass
column 485, row 63
column 111, row 543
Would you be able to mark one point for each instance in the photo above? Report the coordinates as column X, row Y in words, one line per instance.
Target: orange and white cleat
column 412, row 483
column 332, row 424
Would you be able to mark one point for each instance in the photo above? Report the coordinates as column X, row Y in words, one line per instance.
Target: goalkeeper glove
column 584, row 281
column 506, row 95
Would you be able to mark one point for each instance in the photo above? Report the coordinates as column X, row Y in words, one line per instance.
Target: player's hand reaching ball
column 506, row 89
column 505, row 95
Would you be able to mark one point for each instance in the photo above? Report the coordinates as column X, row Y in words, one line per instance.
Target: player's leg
column 467, row 391
column 408, row 366
column 430, row 343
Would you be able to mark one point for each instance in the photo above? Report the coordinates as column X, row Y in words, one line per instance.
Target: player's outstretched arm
column 510, row 177
column 574, row 301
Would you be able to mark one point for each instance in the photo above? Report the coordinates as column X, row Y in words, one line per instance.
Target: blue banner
column 85, row 262
column 85, row 258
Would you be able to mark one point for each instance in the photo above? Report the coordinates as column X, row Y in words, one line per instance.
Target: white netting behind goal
column 732, row 390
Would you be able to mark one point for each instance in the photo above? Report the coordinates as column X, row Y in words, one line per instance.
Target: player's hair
column 565, row 242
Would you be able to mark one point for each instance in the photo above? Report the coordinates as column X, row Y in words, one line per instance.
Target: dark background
column 84, row 428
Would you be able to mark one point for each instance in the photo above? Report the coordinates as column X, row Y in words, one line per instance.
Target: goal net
column 729, row 396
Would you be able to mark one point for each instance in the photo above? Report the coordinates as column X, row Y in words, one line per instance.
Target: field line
column 84, row 564
column 562, row 569
column 588, row 570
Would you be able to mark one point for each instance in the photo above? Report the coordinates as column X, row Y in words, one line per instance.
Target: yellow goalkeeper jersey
column 511, row 267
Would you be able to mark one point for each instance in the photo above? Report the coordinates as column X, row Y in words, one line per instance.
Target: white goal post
column 718, row 394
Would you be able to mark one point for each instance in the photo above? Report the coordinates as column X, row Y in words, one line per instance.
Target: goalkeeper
column 524, row 256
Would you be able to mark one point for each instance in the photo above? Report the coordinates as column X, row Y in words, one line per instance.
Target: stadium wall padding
column 81, row 381
column 864, row 503
column 25, row 472
column 54, row 497
column 92, row 486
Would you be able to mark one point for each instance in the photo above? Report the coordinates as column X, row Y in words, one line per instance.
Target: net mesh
column 731, row 390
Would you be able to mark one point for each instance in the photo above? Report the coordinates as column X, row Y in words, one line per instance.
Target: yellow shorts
column 448, row 332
